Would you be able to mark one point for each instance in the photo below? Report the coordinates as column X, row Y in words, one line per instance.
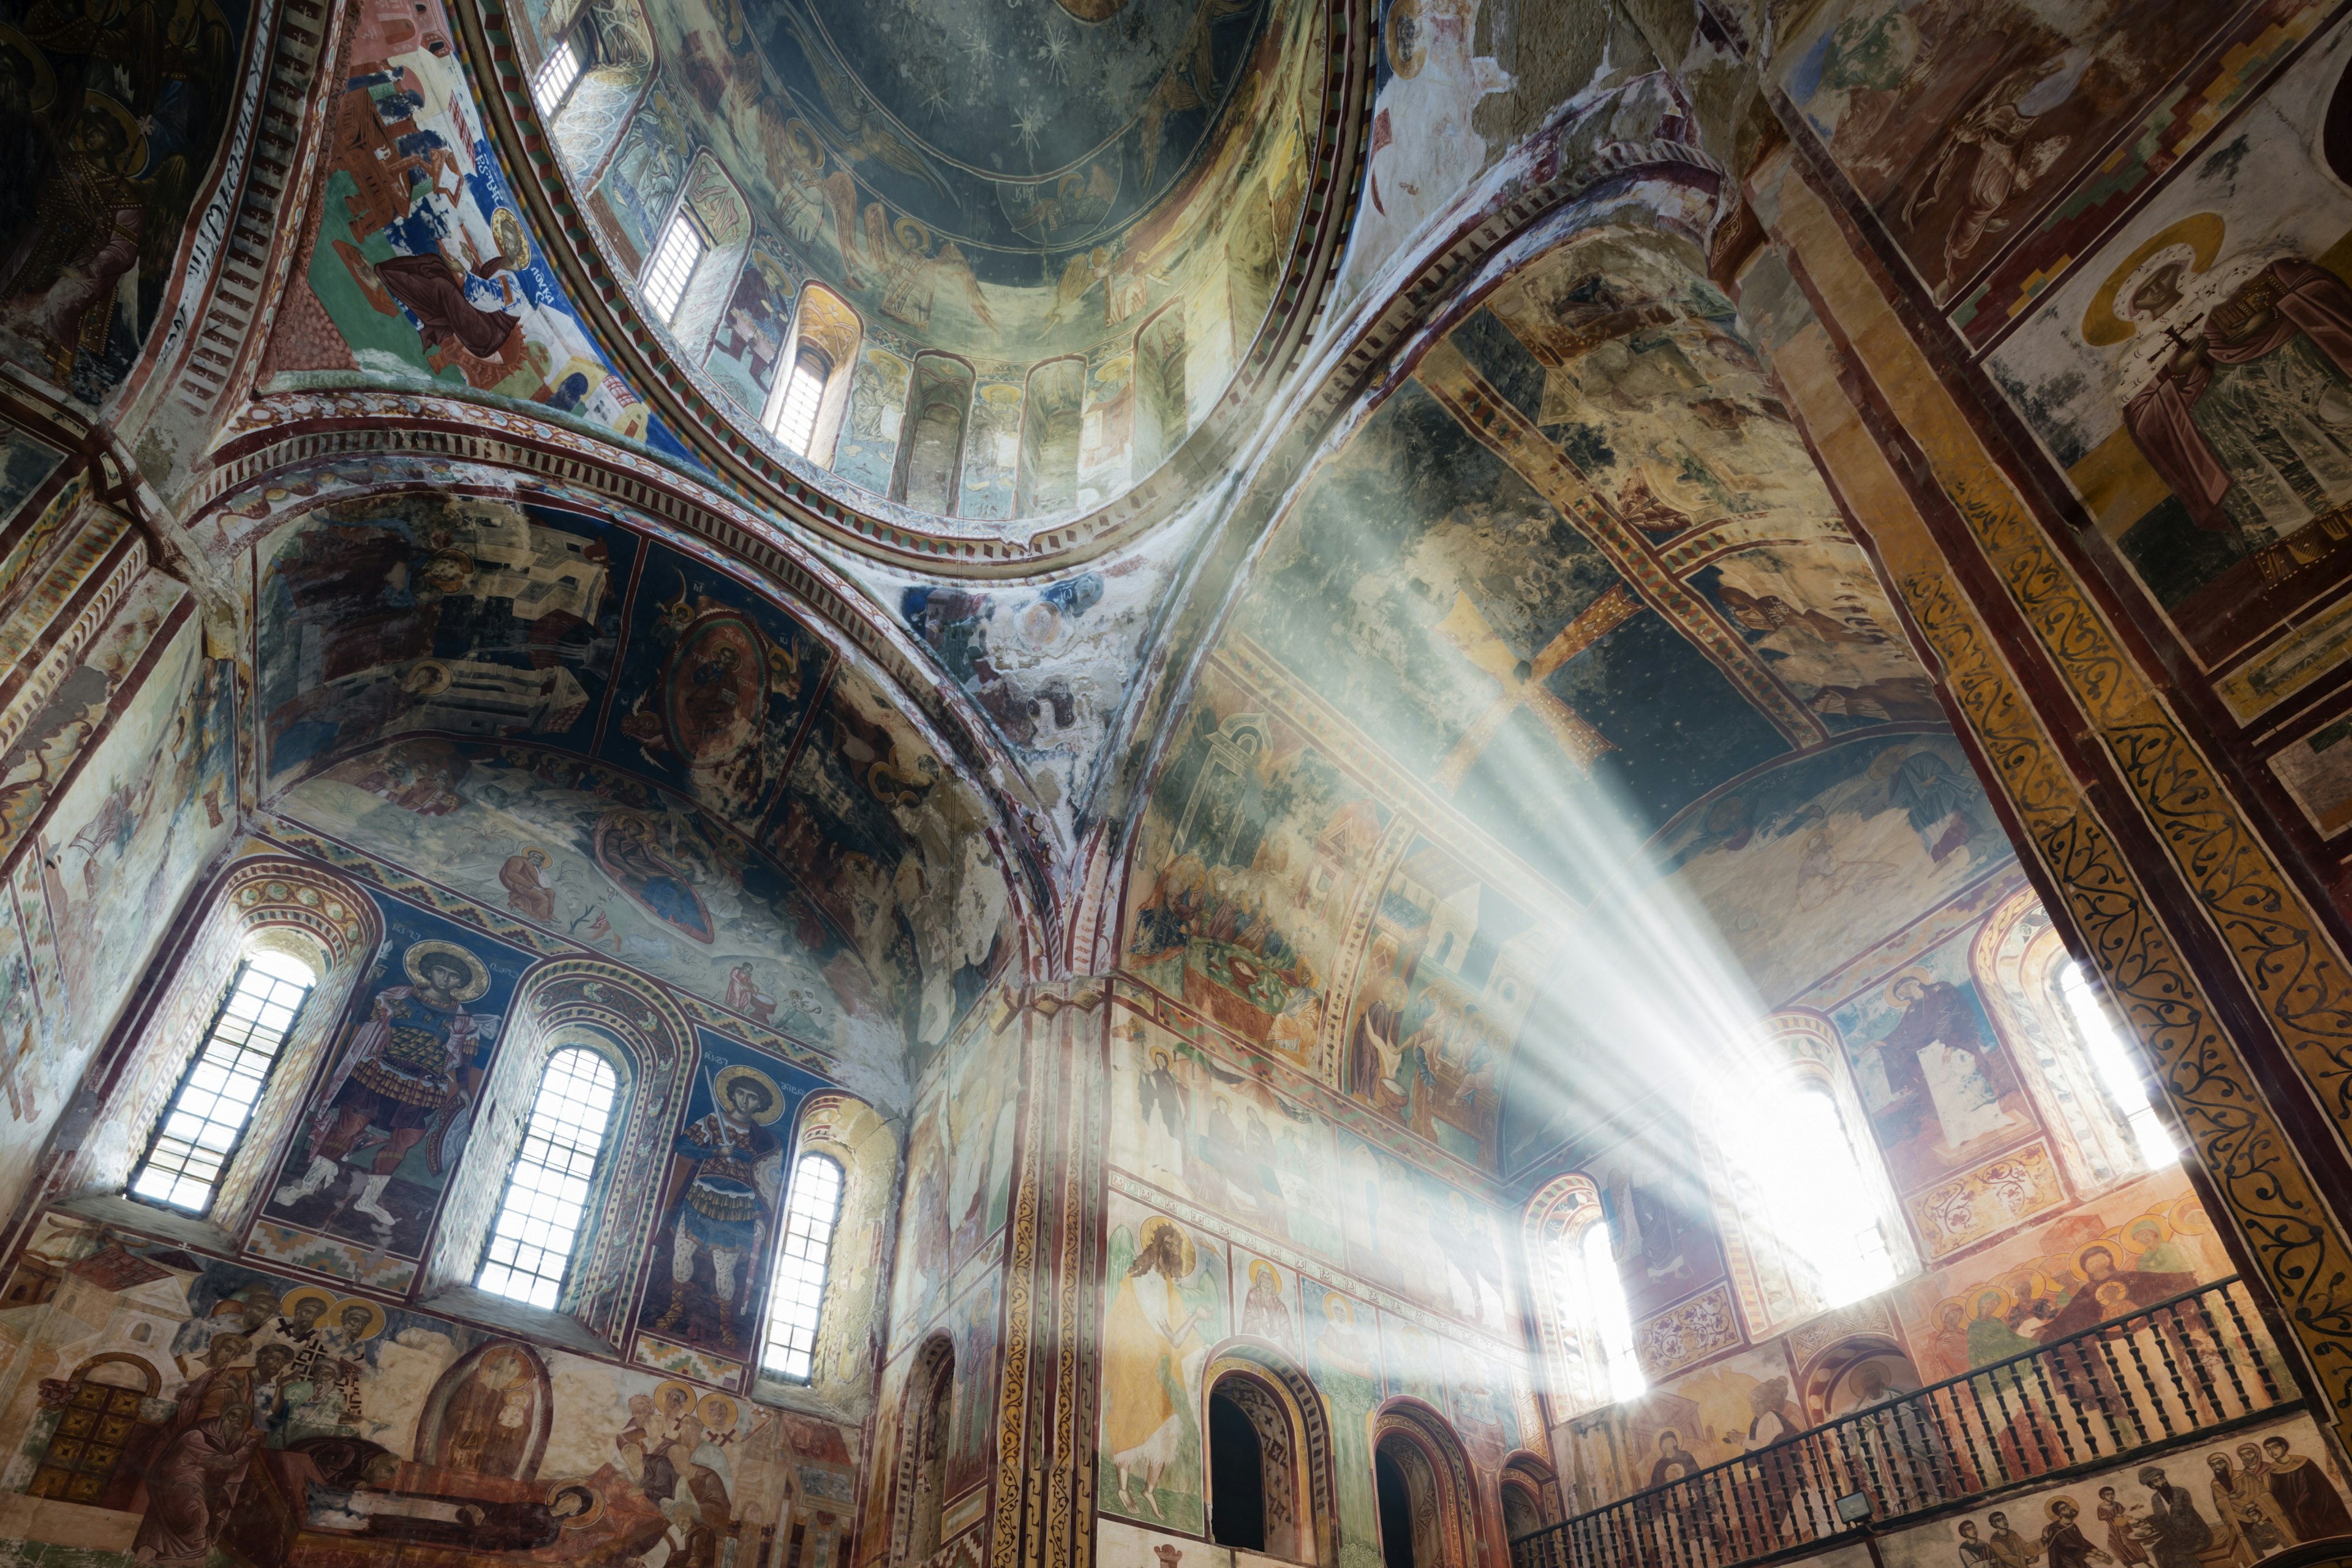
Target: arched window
column 530, row 1246
column 797, row 1303
column 807, row 402
column 1424, row 1482
column 2095, row 1032
column 1236, row 1475
column 1812, row 1220
column 1587, row 1328
column 200, row 1129
column 923, row 1438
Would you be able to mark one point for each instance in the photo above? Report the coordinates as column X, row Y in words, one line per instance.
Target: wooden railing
column 2139, row 1382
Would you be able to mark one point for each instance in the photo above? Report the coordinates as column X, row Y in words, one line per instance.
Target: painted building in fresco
column 1363, row 784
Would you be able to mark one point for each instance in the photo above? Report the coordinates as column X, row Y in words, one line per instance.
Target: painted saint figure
column 2304, row 1500
column 409, row 1074
column 726, row 1180
column 1152, row 1351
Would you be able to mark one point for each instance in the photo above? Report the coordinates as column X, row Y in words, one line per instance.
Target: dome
column 992, row 265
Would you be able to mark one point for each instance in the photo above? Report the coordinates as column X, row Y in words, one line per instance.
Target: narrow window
column 1396, row 1511
column 1823, row 1204
column 556, row 74
column 547, row 1193
column 796, row 411
column 2116, row 1074
column 673, row 268
column 1611, row 1319
column 800, row 1266
column 1236, row 1476
column 200, row 1129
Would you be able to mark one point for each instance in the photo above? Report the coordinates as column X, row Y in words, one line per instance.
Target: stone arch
column 293, row 906
column 465, row 1426
column 1293, row 1430
column 925, row 1425
column 1446, row 1523
column 1527, row 1491
column 632, row 1023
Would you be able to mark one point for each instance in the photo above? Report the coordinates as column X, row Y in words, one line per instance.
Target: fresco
column 958, row 1186
column 137, row 104
column 834, row 884
column 1178, row 203
column 2151, row 1237
column 26, row 464
column 1163, row 1307
column 2240, row 1498
column 420, row 266
column 1959, row 124
column 190, row 1408
column 154, row 803
column 1343, row 1356
column 721, row 1203
column 2189, row 379
column 1862, row 838
column 388, row 1125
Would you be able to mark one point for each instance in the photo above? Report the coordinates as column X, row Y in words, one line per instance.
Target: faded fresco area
column 2192, row 379
column 692, row 785
column 168, row 1408
column 420, row 268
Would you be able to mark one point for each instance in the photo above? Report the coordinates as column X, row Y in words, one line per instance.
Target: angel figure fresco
column 120, row 106
column 1156, row 1341
column 409, row 1077
column 859, row 131
column 911, row 275
column 726, row 1177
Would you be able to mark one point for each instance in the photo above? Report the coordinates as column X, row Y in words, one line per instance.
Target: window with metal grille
column 556, row 74
column 673, row 268
column 2112, row 1060
column 796, row 411
column 201, row 1128
column 800, row 1266
column 531, row 1247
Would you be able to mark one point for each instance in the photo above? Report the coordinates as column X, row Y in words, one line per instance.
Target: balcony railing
column 2189, row 1364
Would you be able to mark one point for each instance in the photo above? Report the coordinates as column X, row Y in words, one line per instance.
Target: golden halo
column 1260, row 1268
column 911, row 236
column 594, row 1510
column 2189, row 1218
column 2114, row 1250
column 287, row 1302
column 134, row 139
column 718, row 1413
column 1914, row 973
column 1147, row 1237
column 2201, row 232
column 477, row 974
column 662, row 1391
column 2050, row 1508
column 1400, row 33
column 375, row 1315
column 1977, row 1299
column 1347, row 1308
column 513, row 240
column 801, row 143
column 45, row 77
column 729, row 1077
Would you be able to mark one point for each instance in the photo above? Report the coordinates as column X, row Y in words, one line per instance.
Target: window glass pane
column 1824, row 1205
column 556, row 75
column 796, row 413
column 813, row 1211
column 1605, row 1291
column 673, row 268
column 539, row 1219
column 2113, row 1061
column 199, row 1130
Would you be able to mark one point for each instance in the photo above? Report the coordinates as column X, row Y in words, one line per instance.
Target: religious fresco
column 2192, row 380
column 153, row 804
column 1177, row 204
column 1343, row 1356
column 2243, row 1497
column 388, row 1124
column 834, row 884
column 1959, row 125
column 1164, row 1307
column 26, row 464
column 958, row 1183
column 123, row 112
column 721, row 1203
column 189, row 1406
column 420, row 266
